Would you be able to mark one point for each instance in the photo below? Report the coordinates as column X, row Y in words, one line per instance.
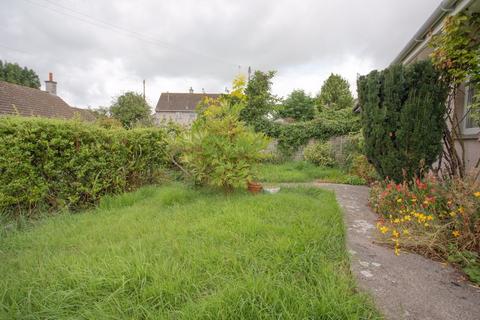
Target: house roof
column 181, row 102
column 24, row 101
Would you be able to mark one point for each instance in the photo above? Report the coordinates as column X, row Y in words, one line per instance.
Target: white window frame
column 466, row 109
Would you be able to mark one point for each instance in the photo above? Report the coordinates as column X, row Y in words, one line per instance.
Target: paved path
column 405, row 287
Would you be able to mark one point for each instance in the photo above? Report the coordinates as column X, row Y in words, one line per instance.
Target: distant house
column 179, row 107
column 30, row 102
column 417, row 49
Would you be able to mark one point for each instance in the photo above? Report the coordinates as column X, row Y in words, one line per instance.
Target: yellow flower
column 426, row 225
column 429, row 218
column 384, row 229
column 399, row 200
column 461, row 210
column 453, row 214
column 396, row 221
column 395, row 233
column 477, row 194
column 456, row 233
column 397, row 251
column 406, row 231
column 414, row 200
column 407, row 218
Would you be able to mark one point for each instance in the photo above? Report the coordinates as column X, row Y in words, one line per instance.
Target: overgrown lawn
column 301, row 171
column 172, row 252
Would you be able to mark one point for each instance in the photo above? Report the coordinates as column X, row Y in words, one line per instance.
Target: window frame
column 466, row 110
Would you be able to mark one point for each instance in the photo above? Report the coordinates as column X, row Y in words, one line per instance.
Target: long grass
column 301, row 171
column 173, row 252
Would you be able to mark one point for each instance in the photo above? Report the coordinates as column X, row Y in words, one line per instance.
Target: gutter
column 446, row 7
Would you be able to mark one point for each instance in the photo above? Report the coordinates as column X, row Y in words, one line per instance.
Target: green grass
column 172, row 252
column 301, row 171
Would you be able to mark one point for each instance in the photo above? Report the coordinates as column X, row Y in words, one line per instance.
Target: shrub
column 320, row 153
column 53, row 164
column 403, row 109
column 299, row 106
column 220, row 150
column 131, row 109
column 432, row 217
column 362, row 168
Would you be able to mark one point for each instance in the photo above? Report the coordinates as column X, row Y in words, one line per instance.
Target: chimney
column 190, row 90
column 50, row 85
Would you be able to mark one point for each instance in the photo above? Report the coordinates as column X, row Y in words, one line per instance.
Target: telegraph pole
column 144, row 89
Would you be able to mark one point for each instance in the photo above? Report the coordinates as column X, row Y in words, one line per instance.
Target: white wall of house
column 182, row 118
column 469, row 130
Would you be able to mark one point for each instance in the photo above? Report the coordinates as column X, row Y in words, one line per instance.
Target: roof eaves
column 446, row 7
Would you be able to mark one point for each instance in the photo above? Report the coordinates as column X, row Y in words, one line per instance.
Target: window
column 469, row 126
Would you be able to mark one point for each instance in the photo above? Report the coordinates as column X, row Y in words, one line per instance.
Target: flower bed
column 437, row 218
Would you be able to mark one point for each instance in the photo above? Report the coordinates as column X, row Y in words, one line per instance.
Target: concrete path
column 405, row 287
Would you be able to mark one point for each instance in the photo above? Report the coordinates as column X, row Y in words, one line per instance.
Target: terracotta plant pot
column 254, row 187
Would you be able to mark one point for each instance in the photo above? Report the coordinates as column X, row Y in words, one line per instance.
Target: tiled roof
column 24, row 101
column 181, row 102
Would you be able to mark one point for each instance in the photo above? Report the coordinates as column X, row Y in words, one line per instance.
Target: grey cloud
column 201, row 43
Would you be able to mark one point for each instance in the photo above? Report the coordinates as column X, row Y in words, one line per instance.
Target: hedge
column 52, row 164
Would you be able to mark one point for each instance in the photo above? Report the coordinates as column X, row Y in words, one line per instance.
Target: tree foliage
column 335, row 94
column 131, row 109
column 259, row 100
column 13, row 73
column 299, row 106
column 403, row 112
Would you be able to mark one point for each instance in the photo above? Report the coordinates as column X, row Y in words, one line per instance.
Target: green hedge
column 52, row 164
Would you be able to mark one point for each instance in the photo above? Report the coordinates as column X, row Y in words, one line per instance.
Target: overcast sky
column 98, row 49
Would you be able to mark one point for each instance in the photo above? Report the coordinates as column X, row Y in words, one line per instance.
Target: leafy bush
column 403, row 109
column 362, row 168
column 299, row 106
column 131, row 110
column 52, row 164
column 432, row 217
column 320, row 153
column 220, row 150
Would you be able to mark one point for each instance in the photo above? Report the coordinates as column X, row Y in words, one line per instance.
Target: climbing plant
column 456, row 54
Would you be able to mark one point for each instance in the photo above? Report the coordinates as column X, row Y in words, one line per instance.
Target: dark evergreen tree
column 403, row 118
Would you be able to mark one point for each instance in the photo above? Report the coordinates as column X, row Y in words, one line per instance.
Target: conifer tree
column 403, row 118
